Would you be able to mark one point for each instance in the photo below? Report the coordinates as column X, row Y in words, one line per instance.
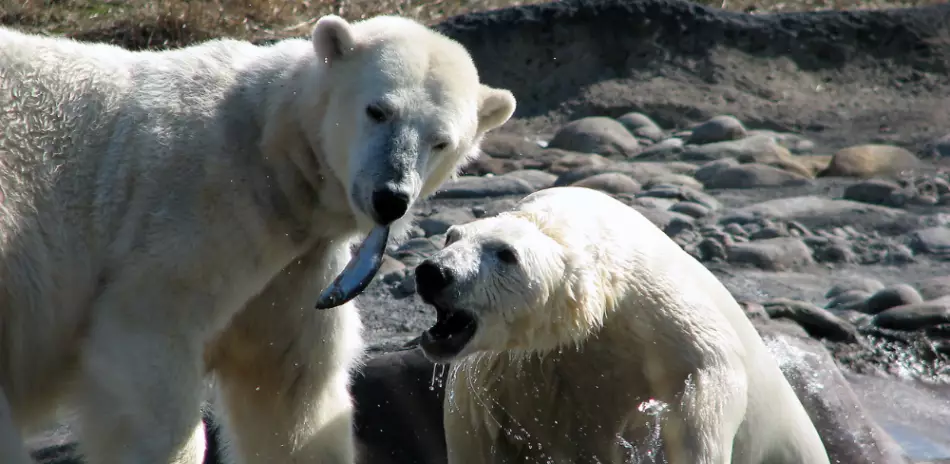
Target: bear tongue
column 359, row 272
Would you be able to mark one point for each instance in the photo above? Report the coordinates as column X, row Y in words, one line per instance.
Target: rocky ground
column 853, row 246
column 800, row 157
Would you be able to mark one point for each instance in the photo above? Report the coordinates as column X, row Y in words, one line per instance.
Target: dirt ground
column 140, row 24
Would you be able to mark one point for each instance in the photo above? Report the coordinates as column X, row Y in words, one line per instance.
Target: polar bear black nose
column 432, row 278
column 389, row 205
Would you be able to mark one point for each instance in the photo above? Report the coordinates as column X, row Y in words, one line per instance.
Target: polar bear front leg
column 283, row 372
column 140, row 384
column 702, row 426
column 467, row 444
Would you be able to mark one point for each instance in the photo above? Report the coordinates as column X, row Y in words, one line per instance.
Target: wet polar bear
column 572, row 318
column 168, row 215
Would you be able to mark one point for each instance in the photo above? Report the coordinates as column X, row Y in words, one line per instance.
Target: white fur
column 168, row 215
column 600, row 313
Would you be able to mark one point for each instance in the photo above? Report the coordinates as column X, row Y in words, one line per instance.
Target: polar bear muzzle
column 454, row 328
column 359, row 272
column 450, row 335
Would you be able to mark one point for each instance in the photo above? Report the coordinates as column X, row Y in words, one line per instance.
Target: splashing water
column 438, row 379
column 654, row 409
column 647, row 451
column 791, row 358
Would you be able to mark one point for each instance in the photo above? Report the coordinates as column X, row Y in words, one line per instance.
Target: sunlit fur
column 601, row 314
column 172, row 214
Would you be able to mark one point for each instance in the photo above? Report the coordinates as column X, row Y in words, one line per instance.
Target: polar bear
column 169, row 218
column 580, row 333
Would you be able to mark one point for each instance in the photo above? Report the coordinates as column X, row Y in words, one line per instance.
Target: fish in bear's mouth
column 452, row 331
column 359, row 271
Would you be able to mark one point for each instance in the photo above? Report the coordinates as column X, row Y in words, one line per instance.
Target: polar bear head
column 527, row 280
column 403, row 111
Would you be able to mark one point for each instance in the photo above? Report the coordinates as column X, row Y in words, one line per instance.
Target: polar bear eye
column 376, row 114
column 440, row 146
column 451, row 236
column 507, row 255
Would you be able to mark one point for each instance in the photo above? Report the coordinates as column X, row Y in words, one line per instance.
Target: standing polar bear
column 169, row 215
column 572, row 320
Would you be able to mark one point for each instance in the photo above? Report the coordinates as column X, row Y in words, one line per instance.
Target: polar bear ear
column 332, row 38
column 495, row 107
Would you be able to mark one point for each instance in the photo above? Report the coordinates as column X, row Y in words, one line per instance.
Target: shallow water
column 916, row 415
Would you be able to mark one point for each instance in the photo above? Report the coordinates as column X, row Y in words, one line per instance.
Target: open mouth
column 451, row 332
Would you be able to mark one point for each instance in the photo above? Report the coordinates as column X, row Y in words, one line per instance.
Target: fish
column 359, row 272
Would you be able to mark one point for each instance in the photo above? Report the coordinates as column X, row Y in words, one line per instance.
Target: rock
column 673, row 179
column 851, row 299
column 641, row 126
column 682, row 193
column 709, row 170
column 754, row 310
column 760, row 149
column 889, row 297
column 539, row 180
column 662, row 204
column 795, row 143
column 483, row 187
column 640, row 171
column 406, row 287
column 942, row 185
column 576, row 175
column 788, row 165
column 939, row 148
column 814, row 163
column 819, row 212
column 659, row 217
column 712, row 250
column 934, row 287
column 864, row 284
column 492, row 208
column 926, row 191
column 558, row 161
column 932, row 240
column 717, row 129
column 876, row 192
column 753, row 175
column 767, row 232
column 681, row 228
column 855, row 317
column 915, row 316
column 691, row 209
column 509, row 146
column 665, row 150
column 596, row 134
column 735, row 230
column 647, row 171
column 871, row 160
column 486, row 164
column 440, row 222
column 390, row 265
column 818, row 322
column 676, row 167
column 849, row 433
column 610, row 182
column 774, row 254
column 669, row 149
column 831, row 250
column 414, row 251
